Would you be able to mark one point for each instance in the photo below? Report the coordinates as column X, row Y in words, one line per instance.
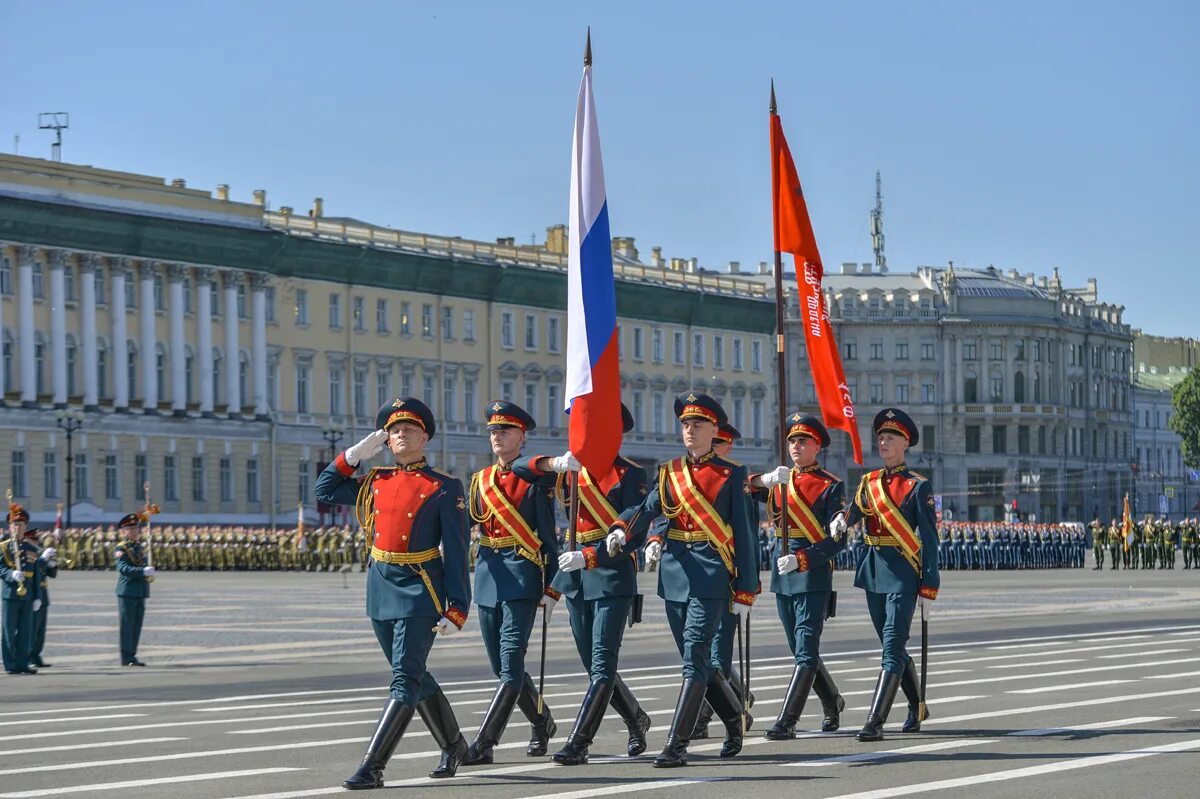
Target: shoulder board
column 917, row 477
column 731, row 461
column 627, row 462
column 828, row 475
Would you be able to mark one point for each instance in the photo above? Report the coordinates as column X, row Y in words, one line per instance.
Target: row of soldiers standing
column 1003, row 545
column 1150, row 544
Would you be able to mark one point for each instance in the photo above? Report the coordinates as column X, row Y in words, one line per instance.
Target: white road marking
column 866, row 757
column 97, row 745
column 112, row 786
column 618, row 789
column 72, row 718
column 1099, row 725
column 1068, row 686
column 1104, row 700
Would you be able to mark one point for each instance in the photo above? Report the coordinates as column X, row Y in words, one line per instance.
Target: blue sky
column 1021, row 134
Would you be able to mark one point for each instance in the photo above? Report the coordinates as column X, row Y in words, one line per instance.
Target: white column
column 88, row 332
column 178, row 359
column 58, row 326
column 233, row 400
column 204, row 360
column 258, row 339
column 120, row 335
column 25, row 338
column 3, row 388
column 147, row 319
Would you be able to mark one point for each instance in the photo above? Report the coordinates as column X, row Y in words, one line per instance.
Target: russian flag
column 593, row 387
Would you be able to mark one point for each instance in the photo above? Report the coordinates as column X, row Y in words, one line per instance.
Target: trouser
column 505, row 629
column 803, row 617
column 131, row 610
column 597, row 626
column 406, row 643
column 39, row 631
column 694, row 624
column 892, row 616
column 18, row 632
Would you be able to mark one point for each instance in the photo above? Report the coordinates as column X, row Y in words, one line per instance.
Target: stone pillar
column 258, row 339
column 88, row 332
column 4, row 249
column 233, row 400
column 119, row 268
column 25, row 333
column 175, row 276
column 149, row 346
column 204, row 360
column 58, row 326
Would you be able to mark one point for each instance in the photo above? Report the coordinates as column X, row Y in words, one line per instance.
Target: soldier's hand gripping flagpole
column 149, row 539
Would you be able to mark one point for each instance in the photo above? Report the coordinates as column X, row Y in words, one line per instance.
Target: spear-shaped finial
column 773, row 106
column 587, row 52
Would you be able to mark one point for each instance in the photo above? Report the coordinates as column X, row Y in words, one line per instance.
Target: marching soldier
column 1098, row 541
column 708, row 559
column 133, row 584
column 514, row 575
column 1115, row 541
column 598, row 581
column 1187, row 540
column 1167, row 538
column 414, row 589
column 48, row 569
column 21, row 592
column 802, row 579
column 900, row 568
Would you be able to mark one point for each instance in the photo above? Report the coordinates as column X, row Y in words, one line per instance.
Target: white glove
column 148, row 571
column 37, row 605
column 837, row 527
column 446, row 627
column 926, row 607
column 571, row 561
column 16, row 575
column 564, row 463
column 776, row 476
column 616, row 539
column 48, row 553
column 549, row 603
column 741, row 611
column 366, row 449
column 786, row 564
column 653, row 552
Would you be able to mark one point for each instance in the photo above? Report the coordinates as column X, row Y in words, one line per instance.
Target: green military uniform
column 1167, row 539
column 48, row 559
column 1187, row 540
column 20, row 571
column 1116, row 543
column 133, row 586
column 1098, row 542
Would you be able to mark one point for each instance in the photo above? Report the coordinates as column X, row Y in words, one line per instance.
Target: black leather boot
column 881, row 705
column 626, row 704
column 591, row 712
column 912, row 692
column 793, row 705
column 702, row 720
column 443, row 726
column 832, row 703
column 735, row 680
column 543, row 725
column 674, row 754
column 392, row 723
column 479, row 753
column 728, row 707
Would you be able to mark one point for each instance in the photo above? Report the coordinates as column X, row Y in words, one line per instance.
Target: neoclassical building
column 213, row 344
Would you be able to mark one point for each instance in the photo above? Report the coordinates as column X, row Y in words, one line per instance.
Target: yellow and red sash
column 691, row 500
column 500, row 509
column 892, row 520
column 800, row 516
column 593, row 499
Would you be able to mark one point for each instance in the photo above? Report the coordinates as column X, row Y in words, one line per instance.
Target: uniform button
column 422, row 496
column 410, row 515
column 403, row 538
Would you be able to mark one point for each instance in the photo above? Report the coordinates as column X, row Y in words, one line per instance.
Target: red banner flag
column 794, row 234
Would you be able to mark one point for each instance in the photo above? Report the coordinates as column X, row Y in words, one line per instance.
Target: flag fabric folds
column 794, row 234
column 593, row 385
column 1127, row 526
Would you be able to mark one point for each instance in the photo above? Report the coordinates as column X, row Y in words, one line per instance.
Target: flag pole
column 780, row 353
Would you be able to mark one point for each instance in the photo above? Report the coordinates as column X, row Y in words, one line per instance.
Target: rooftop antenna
column 57, row 121
column 877, row 226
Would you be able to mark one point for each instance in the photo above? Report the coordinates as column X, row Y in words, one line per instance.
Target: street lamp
column 69, row 420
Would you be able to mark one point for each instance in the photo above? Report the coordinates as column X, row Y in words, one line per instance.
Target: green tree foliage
column 1186, row 420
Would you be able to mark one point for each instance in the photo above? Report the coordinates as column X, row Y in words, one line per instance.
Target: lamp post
column 69, row 420
column 333, row 434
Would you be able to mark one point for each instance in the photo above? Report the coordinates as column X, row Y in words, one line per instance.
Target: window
column 506, row 329
column 187, row 295
column 39, row 361
column 656, row 345
column 360, row 313
column 1023, row 439
column 697, row 349
column 112, row 480
column 969, row 351
column 69, row 283
column 335, row 312
column 426, row 320
column 552, row 334
column 405, row 319
column 301, row 311
column 1041, row 435
column 243, row 379
column 1019, row 350
column 737, row 356
column 17, row 473
column 877, row 350
column 638, row 421
column 996, row 350
column 252, row 480
column 901, row 350
column 383, row 379
column 739, row 408
column 901, row 392
column 160, row 372
column 928, row 438
column 141, row 472
column 428, row 390
column 131, row 294
column 756, row 356
column 302, row 476
column 850, row 349
column 83, row 486
column 170, row 479
column 468, row 325
column 530, row 332
column 273, row 383
column 241, row 301
column 269, row 302
column 973, row 438
column 225, row 478
column 875, row 397
column 999, row 439
column 1019, row 387
column 530, row 397
column 447, row 323
column 101, row 294
column 160, row 296
column 50, row 475
column 71, row 366
column 448, row 399
column 302, row 388
column 360, row 392
column 678, row 345
column 39, row 290
column 5, row 276
column 189, row 369
column 553, row 406
column 928, row 391
column 198, row 492
column 468, row 396
column 8, row 360
column 381, row 316
column 638, row 348
column 718, row 352
column 406, row 387
column 756, row 416
column 997, row 388
column 335, row 391
column 658, row 413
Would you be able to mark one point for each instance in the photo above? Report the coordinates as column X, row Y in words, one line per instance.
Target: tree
column 1186, row 419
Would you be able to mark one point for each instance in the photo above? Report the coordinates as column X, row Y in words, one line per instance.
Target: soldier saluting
column 133, row 583
column 417, row 586
column 900, row 564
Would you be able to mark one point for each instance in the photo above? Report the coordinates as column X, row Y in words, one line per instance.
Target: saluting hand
column 366, row 449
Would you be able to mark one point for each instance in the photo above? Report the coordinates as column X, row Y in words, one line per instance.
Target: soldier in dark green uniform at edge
column 417, row 586
column 21, row 593
column 133, row 585
column 47, row 570
column 900, row 566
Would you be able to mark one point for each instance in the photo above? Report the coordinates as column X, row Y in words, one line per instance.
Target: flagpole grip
column 573, row 510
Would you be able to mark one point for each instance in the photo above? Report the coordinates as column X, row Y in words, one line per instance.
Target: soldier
column 1168, row 544
column 708, row 558
column 414, row 590
column 1187, row 541
column 518, row 561
column 48, row 563
column 598, row 581
column 133, row 585
column 21, row 593
column 1098, row 542
column 901, row 568
column 802, row 579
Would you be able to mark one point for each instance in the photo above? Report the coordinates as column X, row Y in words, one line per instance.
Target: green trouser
column 131, row 610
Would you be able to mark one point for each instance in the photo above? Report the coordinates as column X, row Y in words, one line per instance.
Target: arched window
column 970, row 387
column 1019, row 387
column 1037, row 386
